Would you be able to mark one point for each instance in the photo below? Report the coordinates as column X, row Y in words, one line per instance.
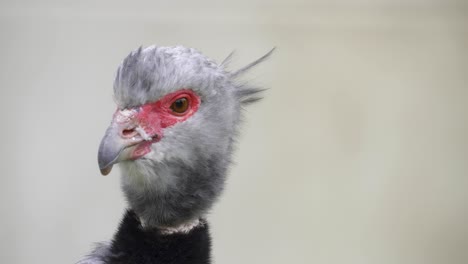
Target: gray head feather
column 185, row 172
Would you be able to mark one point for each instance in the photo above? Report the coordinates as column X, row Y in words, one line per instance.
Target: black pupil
column 179, row 105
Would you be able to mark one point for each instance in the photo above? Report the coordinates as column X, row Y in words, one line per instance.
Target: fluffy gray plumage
column 185, row 172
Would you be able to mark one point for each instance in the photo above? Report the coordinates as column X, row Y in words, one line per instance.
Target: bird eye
column 180, row 105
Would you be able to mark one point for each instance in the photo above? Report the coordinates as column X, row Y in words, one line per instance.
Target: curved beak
column 120, row 140
column 110, row 149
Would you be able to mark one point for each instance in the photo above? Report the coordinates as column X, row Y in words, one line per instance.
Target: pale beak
column 120, row 141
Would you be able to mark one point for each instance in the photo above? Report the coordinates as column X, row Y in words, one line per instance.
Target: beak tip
column 106, row 158
column 110, row 149
column 106, row 170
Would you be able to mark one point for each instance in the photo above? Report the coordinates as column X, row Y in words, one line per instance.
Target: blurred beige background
column 358, row 154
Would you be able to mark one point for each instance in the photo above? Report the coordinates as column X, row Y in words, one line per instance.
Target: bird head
column 177, row 117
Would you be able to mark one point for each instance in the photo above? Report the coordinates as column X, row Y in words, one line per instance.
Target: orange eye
column 180, row 105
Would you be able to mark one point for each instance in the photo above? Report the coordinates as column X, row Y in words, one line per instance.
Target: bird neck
column 135, row 244
column 183, row 228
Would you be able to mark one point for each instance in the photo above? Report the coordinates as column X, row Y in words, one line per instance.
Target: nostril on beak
column 128, row 133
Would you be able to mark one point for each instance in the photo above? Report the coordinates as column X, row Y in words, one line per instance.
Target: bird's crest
column 246, row 93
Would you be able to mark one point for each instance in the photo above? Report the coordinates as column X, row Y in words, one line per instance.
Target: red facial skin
column 156, row 116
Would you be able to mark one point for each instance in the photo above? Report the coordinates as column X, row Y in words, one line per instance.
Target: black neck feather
column 134, row 244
